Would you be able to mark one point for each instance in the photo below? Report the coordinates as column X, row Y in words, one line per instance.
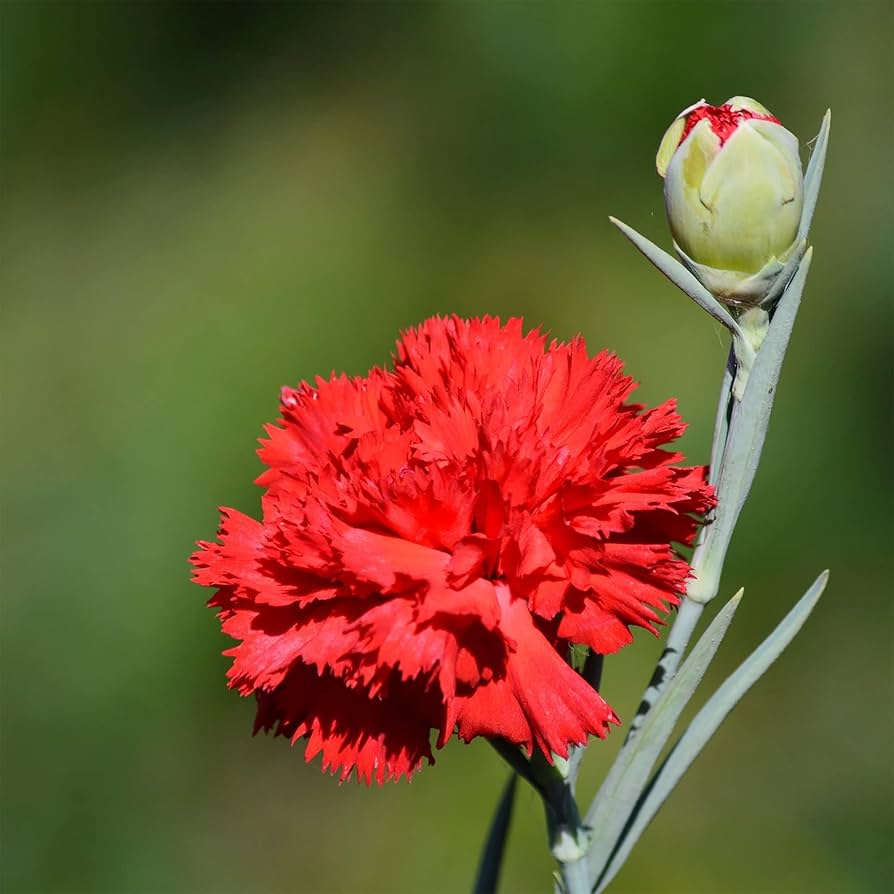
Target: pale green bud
column 733, row 189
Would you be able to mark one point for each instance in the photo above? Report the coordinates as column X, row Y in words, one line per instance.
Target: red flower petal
column 539, row 700
column 379, row 739
column 435, row 538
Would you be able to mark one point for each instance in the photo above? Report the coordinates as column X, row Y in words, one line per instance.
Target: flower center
column 723, row 120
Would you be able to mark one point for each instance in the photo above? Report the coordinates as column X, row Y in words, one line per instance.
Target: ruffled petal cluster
column 435, row 537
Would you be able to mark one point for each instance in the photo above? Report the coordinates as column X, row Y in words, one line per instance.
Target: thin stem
column 592, row 673
column 677, row 641
column 576, row 877
column 513, row 756
column 704, row 574
column 722, row 417
column 569, row 839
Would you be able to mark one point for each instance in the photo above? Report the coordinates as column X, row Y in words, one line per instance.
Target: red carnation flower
column 435, row 538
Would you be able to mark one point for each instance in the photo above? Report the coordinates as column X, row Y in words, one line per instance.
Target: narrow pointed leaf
column 495, row 846
column 706, row 722
column 814, row 176
column 624, row 784
column 785, row 275
column 748, row 428
column 681, row 277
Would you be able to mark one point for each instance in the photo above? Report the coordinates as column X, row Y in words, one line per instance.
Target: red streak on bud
column 723, row 120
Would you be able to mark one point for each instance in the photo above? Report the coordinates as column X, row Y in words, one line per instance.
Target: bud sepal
column 739, row 290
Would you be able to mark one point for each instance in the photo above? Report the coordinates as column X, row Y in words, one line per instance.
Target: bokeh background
column 204, row 202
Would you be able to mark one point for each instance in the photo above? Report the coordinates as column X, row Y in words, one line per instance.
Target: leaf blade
column 488, row 875
column 623, row 785
column 748, row 428
column 682, row 278
column 707, row 721
column 814, row 177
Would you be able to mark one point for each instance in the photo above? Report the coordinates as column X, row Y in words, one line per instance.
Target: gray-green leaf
column 706, row 722
column 622, row 787
column 682, row 278
column 814, row 176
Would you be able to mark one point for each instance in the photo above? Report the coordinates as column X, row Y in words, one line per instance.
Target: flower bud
column 733, row 189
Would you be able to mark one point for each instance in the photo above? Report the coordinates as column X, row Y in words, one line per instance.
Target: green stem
column 705, row 568
column 576, row 876
column 569, row 839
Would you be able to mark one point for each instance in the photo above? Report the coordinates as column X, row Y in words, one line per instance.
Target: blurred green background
column 204, row 202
